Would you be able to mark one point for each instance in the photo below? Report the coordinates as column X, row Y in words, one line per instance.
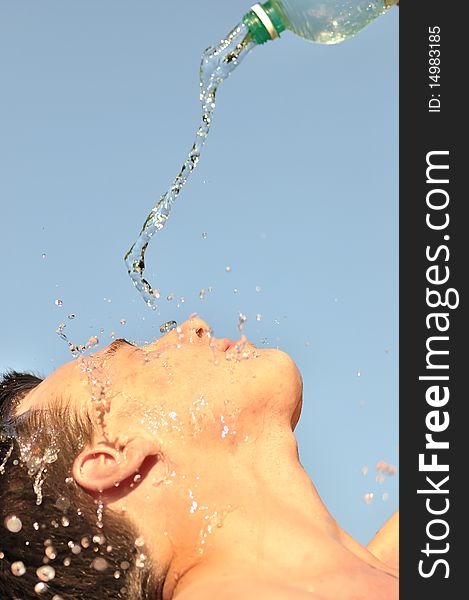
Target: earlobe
column 101, row 466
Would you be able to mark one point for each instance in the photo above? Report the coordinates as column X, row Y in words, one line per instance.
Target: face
column 187, row 385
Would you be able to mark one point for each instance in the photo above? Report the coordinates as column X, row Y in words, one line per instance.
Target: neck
column 276, row 527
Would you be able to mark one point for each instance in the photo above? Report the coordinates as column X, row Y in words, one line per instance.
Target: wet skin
column 194, row 443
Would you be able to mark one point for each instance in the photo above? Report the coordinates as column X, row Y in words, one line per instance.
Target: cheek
column 273, row 377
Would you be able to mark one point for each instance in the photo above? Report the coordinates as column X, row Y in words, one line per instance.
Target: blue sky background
column 297, row 191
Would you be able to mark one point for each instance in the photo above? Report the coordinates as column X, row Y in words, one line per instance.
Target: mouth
column 230, row 345
column 227, row 345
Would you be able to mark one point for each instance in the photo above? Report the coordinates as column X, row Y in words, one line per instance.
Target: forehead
column 74, row 380
column 63, row 382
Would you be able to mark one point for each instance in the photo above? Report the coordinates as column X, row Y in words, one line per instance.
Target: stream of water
column 216, row 65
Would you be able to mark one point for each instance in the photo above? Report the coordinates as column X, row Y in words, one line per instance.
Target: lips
column 241, row 344
column 226, row 344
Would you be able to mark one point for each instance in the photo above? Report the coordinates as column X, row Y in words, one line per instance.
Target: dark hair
column 47, row 520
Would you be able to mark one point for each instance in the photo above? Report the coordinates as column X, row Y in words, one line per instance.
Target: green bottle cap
column 264, row 23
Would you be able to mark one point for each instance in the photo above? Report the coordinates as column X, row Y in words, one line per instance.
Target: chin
column 296, row 413
column 287, row 381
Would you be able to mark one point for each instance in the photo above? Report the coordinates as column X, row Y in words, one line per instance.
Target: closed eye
column 116, row 344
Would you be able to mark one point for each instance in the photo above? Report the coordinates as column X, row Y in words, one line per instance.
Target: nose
column 196, row 329
column 193, row 331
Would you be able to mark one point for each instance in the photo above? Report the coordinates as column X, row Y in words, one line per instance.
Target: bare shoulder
column 373, row 587
column 247, row 590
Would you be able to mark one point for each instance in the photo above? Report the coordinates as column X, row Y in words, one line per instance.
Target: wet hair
column 90, row 558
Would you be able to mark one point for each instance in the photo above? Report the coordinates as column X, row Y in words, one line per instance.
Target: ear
column 101, row 466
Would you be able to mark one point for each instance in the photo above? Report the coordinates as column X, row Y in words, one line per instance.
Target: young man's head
column 120, row 467
column 51, row 544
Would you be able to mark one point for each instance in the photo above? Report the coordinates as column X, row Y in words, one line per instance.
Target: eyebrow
column 115, row 346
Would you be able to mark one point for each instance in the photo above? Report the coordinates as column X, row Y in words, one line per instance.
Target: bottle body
column 322, row 21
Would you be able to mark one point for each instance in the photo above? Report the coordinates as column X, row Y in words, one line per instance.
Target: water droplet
column 99, row 515
column 71, row 316
column 57, row 597
column 18, row 569
column 204, row 235
column 122, row 321
column 168, row 326
column 117, row 574
column 45, row 573
column 386, row 468
column 359, row 373
column 124, row 565
column 41, row 587
column 202, row 294
column 235, row 290
column 59, row 302
column 368, row 498
column 50, row 552
column 140, row 562
column 67, row 561
column 43, row 255
column 93, row 341
column 258, row 317
column 364, row 470
column 13, row 524
column 100, row 564
column 385, row 496
column 170, row 297
column 137, row 478
column 242, row 318
column 65, row 522
column 139, row 542
column 62, row 503
column 228, row 269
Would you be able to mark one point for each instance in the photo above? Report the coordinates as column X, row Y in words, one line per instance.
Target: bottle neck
column 264, row 23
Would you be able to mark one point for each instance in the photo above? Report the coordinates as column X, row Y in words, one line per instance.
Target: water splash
column 37, row 463
column 216, row 65
column 168, row 326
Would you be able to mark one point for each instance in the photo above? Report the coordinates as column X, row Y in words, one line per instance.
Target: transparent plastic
column 329, row 21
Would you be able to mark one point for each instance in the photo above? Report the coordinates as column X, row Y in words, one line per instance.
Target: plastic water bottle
column 323, row 21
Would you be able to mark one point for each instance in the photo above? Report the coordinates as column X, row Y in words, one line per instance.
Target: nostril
column 199, row 332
